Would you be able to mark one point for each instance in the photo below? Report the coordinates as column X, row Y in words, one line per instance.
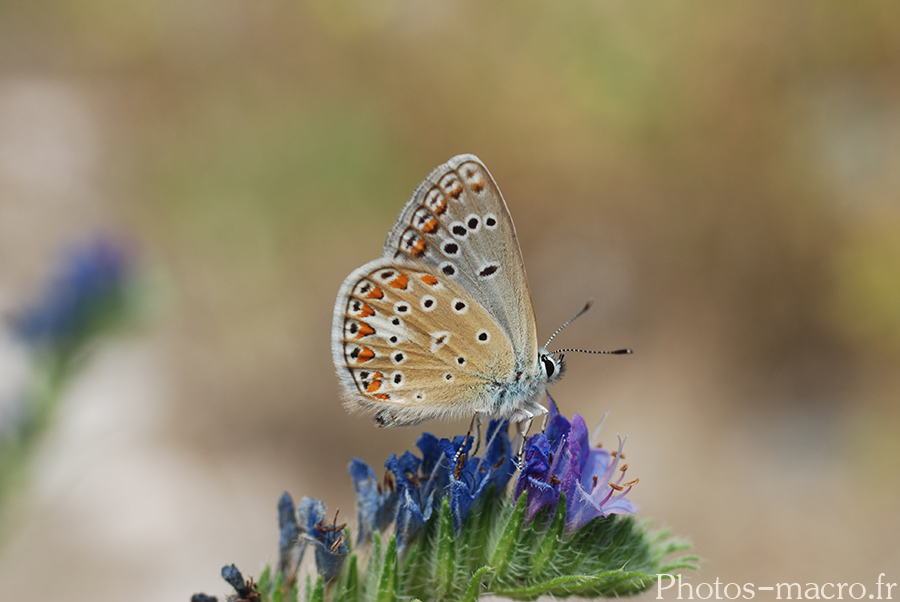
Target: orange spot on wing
column 455, row 190
column 375, row 293
column 366, row 311
column 418, row 248
column 364, row 330
column 430, row 226
column 365, row 354
column 373, row 386
column 382, row 396
column 429, row 279
column 436, row 202
column 400, row 281
column 478, row 186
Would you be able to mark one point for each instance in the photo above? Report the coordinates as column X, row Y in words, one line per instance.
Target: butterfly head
column 552, row 365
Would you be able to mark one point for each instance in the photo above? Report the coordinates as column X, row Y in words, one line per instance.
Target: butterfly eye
column 549, row 366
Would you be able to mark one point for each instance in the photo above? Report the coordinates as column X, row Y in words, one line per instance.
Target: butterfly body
column 442, row 324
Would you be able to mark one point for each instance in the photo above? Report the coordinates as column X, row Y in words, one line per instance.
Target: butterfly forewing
column 414, row 345
column 458, row 224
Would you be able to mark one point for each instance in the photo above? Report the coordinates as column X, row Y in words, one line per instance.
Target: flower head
column 423, row 482
column 376, row 504
column 433, row 496
column 288, row 548
column 91, row 284
column 328, row 540
column 473, row 476
column 563, row 461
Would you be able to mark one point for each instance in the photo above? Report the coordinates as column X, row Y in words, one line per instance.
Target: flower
column 233, row 576
column 459, row 533
column 423, row 482
column 91, row 284
column 328, row 541
column 375, row 504
column 472, row 477
column 561, row 460
column 289, row 552
column 415, row 501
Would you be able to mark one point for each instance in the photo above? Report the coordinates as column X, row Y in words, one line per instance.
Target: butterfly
column 442, row 324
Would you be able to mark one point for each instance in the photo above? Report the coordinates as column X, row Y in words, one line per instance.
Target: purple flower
column 376, row 504
column 562, row 460
column 91, row 284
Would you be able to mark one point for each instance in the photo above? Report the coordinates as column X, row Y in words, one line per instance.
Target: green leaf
column 475, row 585
column 348, row 583
column 387, row 586
column 445, row 558
column 318, row 593
column 500, row 559
column 551, row 541
column 265, row 579
column 276, row 591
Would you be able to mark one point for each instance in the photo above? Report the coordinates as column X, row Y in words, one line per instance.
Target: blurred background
column 722, row 178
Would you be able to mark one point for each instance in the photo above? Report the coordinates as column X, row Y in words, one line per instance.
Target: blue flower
column 376, row 504
column 233, row 576
column 288, row 546
column 91, row 284
column 562, row 460
column 415, row 502
column 473, row 476
column 328, row 541
column 423, row 482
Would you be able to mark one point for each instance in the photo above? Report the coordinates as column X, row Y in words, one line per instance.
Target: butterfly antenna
column 584, row 309
column 616, row 352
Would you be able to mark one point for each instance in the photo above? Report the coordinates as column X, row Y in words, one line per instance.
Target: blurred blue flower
column 376, row 505
column 91, row 284
column 288, row 546
column 233, row 576
column 562, row 460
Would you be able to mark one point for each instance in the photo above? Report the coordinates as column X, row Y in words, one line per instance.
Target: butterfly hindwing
column 412, row 345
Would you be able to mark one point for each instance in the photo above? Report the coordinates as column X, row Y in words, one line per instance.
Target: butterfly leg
column 476, row 423
column 528, row 414
column 523, row 426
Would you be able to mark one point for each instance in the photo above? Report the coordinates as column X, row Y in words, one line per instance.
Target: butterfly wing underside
column 434, row 325
column 457, row 222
